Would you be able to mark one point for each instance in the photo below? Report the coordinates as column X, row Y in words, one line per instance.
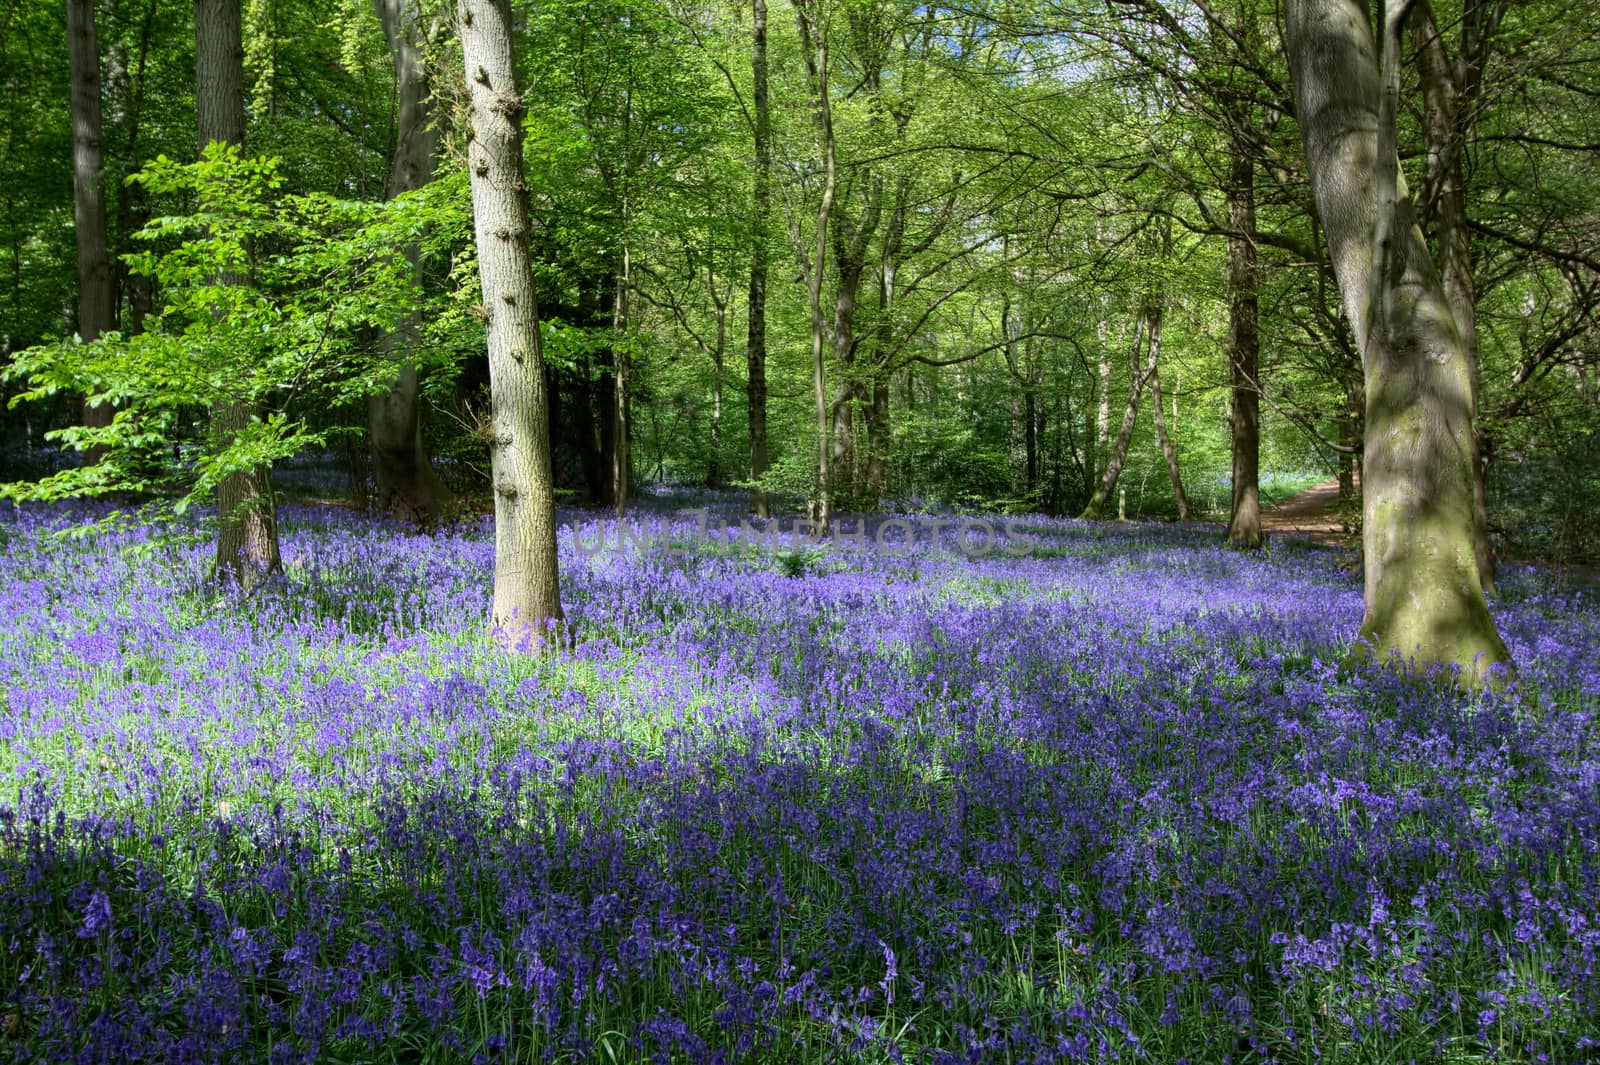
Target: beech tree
column 812, row 16
column 527, row 593
column 407, row 483
column 1451, row 91
column 96, row 292
column 761, row 211
column 247, row 521
column 1424, row 598
column 1244, row 345
column 1169, row 448
column 1148, row 323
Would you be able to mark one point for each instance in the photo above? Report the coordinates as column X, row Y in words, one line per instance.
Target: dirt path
column 1313, row 515
column 1309, row 515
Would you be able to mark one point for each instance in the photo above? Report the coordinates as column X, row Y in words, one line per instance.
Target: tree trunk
column 247, row 520
column 814, row 48
column 408, row 486
column 874, row 392
column 1095, row 508
column 527, row 592
column 595, row 383
column 1423, row 596
column 1014, row 438
column 1244, row 343
column 1177, row 387
column 841, row 435
column 1057, row 503
column 850, row 263
column 356, row 470
column 583, row 430
column 1169, row 447
column 718, row 358
column 1447, row 127
column 876, row 482
column 1102, row 422
column 1030, row 438
column 133, row 210
column 96, row 290
column 621, row 459
column 756, row 343
column 1011, row 323
column 605, row 408
column 1350, row 437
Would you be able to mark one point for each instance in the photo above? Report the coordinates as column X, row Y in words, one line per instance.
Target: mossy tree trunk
column 1424, row 600
column 1450, row 106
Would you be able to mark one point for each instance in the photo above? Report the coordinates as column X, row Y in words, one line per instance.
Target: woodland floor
column 1108, row 799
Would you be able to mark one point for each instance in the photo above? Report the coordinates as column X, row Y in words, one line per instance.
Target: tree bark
column 1449, row 96
column 719, row 353
column 1056, row 503
column 408, row 486
column 96, row 289
column 876, row 483
column 133, row 209
column 1169, row 447
column 1012, row 323
column 597, row 386
column 850, row 240
column 1095, row 508
column 247, row 520
column 1102, row 421
column 1244, row 343
column 756, row 337
column 1030, row 438
column 607, row 401
column 527, row 593
column 814, row 49
column 1022, row 410
column 1423, row 597
column 621, row 432
column 1176, row 389
column 874, row 391
column 1350, row 437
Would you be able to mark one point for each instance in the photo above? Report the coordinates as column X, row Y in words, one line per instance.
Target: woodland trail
column 1309, row 515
